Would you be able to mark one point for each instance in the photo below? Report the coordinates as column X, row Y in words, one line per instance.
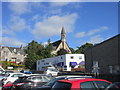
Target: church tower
column 63, row 35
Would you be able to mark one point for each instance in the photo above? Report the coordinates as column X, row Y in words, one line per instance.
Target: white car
column 11, row 77
column 51, row 71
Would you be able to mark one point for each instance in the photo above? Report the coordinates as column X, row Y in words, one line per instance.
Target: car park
column 11, row 77
column 49, row 85
column 81, row 84
column 114, row 86
column 28, row 82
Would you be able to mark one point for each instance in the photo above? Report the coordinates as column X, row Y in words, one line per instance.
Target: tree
column 48, row 49
column 32, row 57
column 72, row 50
column 36, row 52
column 82, row 48
column 62, row 52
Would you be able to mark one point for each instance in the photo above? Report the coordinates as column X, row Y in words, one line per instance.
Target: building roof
column 15, row 50
column 117, row 36
column 18, row 50
column 56, row 44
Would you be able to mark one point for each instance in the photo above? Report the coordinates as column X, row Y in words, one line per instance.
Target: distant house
column 13, row 54
column 61, row 44
column 104, row 58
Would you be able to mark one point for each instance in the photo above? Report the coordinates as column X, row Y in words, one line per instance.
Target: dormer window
column 14, row 50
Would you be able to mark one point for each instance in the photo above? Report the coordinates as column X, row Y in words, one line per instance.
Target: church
column 61, row 44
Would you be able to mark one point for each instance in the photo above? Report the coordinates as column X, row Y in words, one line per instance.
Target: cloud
column 58, row 4
column 53, row 25
column 35, row 17
column 96, row 39
column 11, row 41
column 20, row 8
column 80, row 34
column 94, row 31
column 7, row 32
column 17, row 24
column 91, row 32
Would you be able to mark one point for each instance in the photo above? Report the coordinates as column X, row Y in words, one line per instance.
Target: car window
column 16, row 75
column 37, row 79
column 45, row 79
column 52, row 81
column 101, row 84
column 64, row 85
column 87, row 85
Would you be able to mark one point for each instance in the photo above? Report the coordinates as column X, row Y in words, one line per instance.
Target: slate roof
column 18, row 50
column 56, row 44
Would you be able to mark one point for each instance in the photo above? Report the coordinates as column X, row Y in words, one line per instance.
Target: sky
column 91, row 22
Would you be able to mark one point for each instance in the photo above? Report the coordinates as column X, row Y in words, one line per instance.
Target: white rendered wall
column 63, row 58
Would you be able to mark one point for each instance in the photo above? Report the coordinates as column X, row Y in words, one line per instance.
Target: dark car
column 28, row 82
column 49, row 85
column 114, row 86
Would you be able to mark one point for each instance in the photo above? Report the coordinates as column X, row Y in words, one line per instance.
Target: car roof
column 74, row 76
column 82, row 80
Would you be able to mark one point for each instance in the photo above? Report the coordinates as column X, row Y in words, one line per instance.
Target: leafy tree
column 72, row 50
column 36, row 52
column 48, row 49
column 30, row 61
column 62, row 52
column 32, row 57
column 82, row 48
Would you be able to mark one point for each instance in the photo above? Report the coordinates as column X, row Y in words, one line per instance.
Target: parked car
column 81, row 84
column 11, row 77
column 7, row 86
column 49, row 85
column 28, row 82
column 114, row 86
column 51, row 71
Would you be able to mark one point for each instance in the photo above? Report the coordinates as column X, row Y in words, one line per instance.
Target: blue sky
column 83, row 22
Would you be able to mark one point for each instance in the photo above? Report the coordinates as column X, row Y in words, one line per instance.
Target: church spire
column 63, row 35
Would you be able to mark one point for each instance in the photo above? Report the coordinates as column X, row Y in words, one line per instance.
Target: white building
column 66, row 62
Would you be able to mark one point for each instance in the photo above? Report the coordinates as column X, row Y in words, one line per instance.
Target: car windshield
column 61, row 85
column 52, row 81
column 6, row 75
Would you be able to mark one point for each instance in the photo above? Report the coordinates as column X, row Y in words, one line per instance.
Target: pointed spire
column 21, row 47
column 62, row 31
column 63, row 35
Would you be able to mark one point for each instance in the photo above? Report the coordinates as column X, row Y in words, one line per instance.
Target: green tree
column 36, row 52
column 72, row 50
column 48, row 49
column 32, row 57
column 82, row 48
column 62, row 52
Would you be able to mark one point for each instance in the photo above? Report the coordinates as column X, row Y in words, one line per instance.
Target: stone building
column 104, row 58
column 61, row 44
column 13, row 54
